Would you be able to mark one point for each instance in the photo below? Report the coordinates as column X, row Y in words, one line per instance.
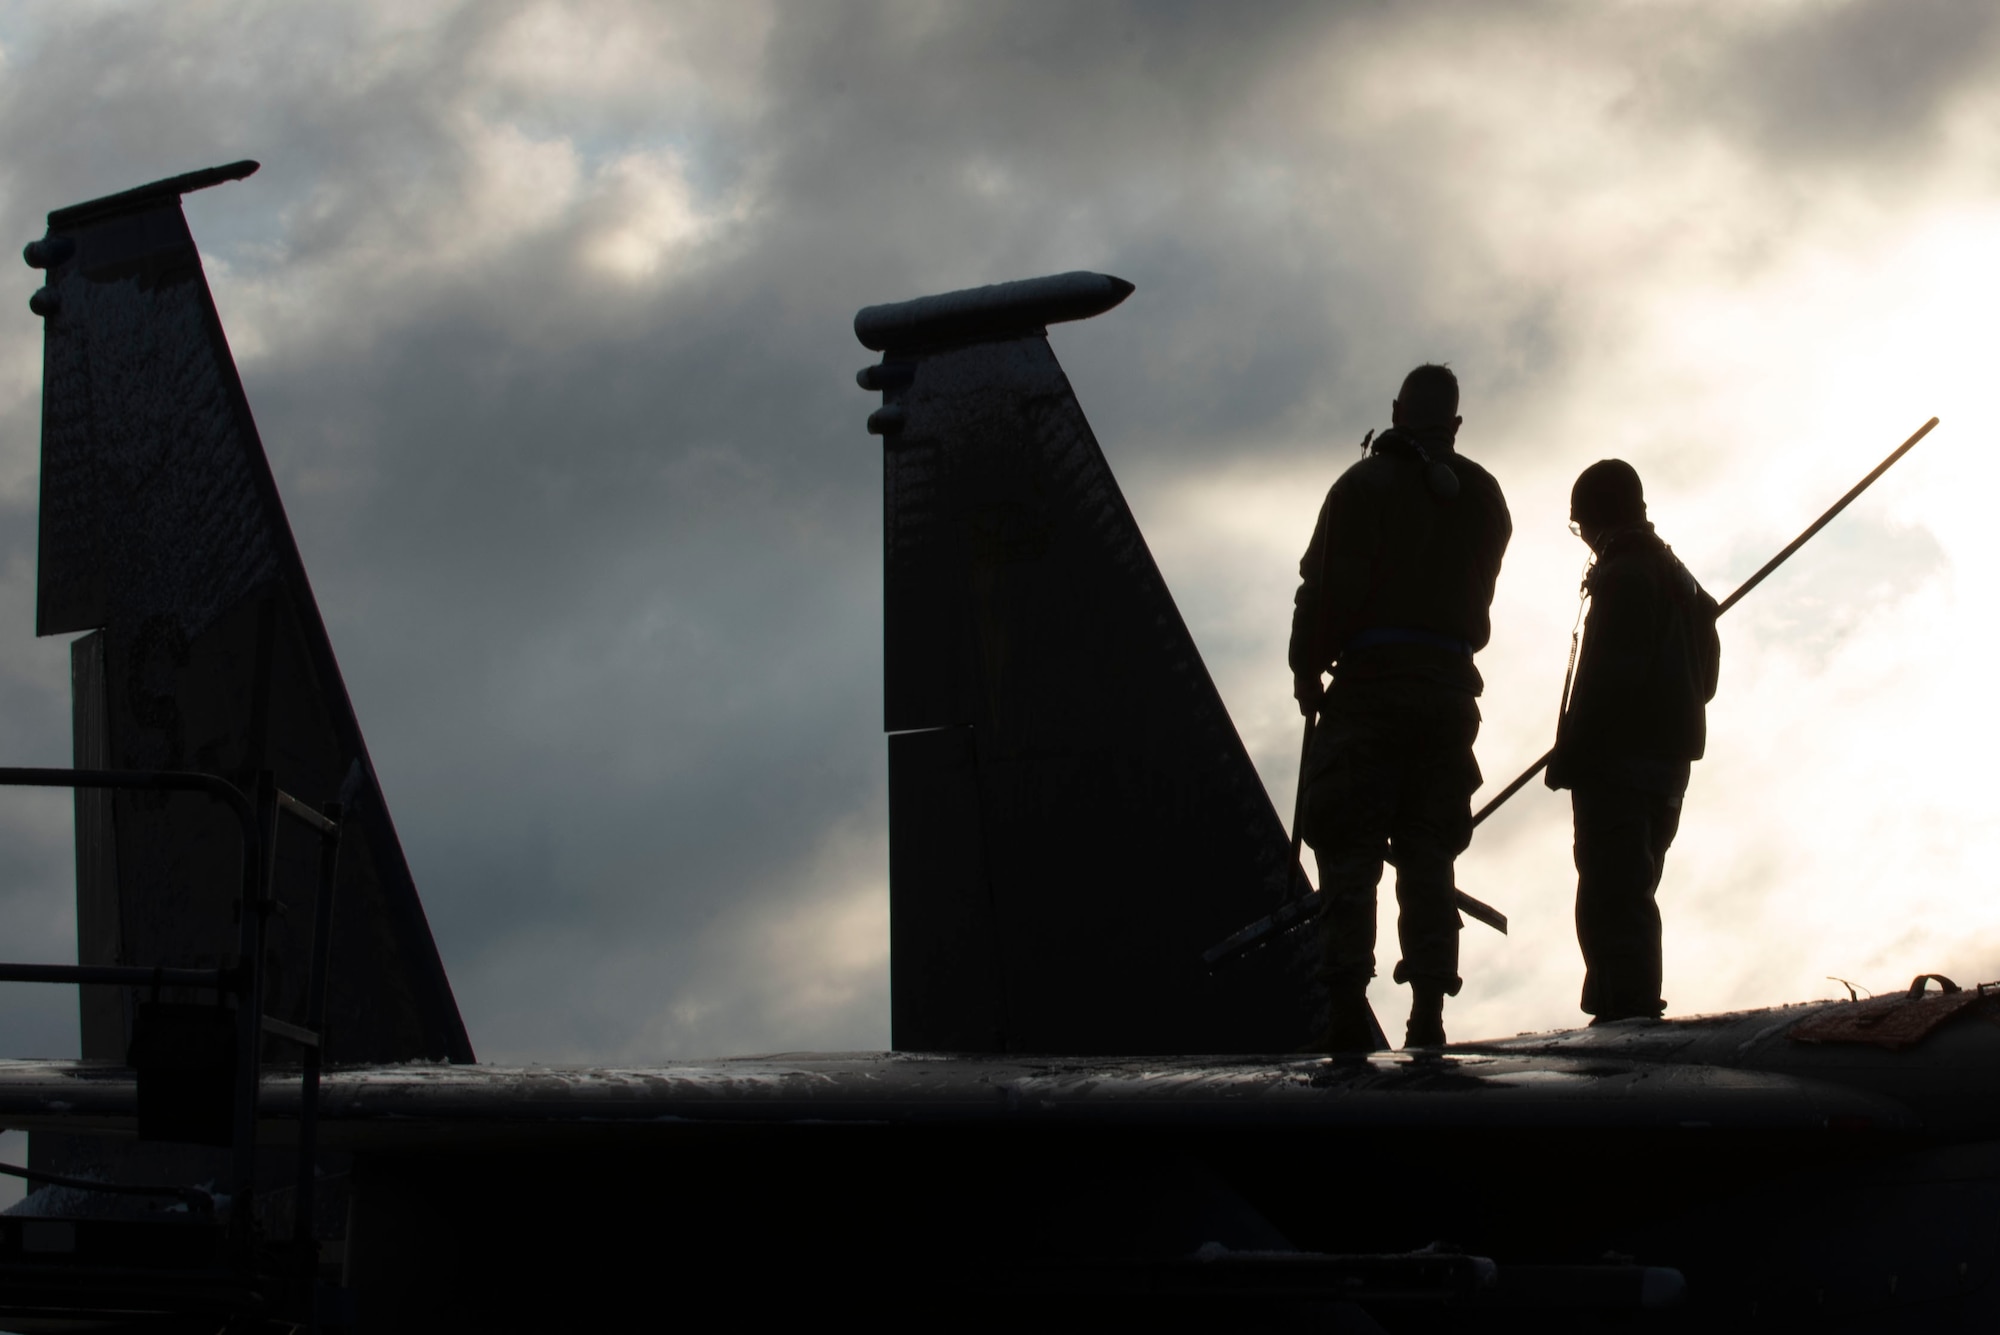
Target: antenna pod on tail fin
column 162, row 534
column 1072, row 816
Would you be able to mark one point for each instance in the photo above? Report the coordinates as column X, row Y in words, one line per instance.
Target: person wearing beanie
column 1633, row 724
column 1393, row 599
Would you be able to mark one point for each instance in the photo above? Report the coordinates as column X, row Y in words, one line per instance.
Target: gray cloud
column 544, row 313
column 1834, row 86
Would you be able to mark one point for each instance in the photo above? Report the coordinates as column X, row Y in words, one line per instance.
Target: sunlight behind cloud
column 1752, row 360
column 545, row 312
column 653, row 215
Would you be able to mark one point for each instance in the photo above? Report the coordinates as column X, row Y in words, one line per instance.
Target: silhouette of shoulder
column 1475, row 482
column 1375, row 473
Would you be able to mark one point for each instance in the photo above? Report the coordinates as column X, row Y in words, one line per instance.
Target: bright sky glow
column 544, row 312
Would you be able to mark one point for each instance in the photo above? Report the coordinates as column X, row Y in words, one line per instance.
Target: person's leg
column 1348, row 879
column 1587, row 842
column 1617, row 919
column 1347, row 806
column 1663, row 823
column 1431, row 827
column 1427, row 926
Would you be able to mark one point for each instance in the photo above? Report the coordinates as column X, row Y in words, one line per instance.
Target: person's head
column 1428, row 401
column 1607, row 496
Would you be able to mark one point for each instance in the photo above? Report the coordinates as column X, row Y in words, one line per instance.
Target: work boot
column 1611, row 1012
column 1350, row 1025
column 1613, row 1017
column 1426, row 1027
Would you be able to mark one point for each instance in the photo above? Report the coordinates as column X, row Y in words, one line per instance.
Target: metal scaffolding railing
column 257, row 816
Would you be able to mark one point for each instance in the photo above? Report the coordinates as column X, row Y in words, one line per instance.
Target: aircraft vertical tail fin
column 1073, row 818
column 163, row 536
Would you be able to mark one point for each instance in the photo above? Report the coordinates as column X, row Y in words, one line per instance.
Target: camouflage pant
column 1622, row 837
column 1391, row 774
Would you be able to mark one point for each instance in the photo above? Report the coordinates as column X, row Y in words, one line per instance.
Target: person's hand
column 1306, row 689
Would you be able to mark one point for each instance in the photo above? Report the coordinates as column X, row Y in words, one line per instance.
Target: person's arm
column 1708, row 645
column 1309, row 653
column 1334, row 580
column 1496, row 529
column 1615, row 664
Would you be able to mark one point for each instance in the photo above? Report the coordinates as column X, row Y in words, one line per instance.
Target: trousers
column 1389, row 777
column 1622, row 836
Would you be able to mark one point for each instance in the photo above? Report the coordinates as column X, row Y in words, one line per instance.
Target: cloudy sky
column 544, row 310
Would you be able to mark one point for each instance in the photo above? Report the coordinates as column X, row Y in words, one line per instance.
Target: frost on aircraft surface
column 1072, row 821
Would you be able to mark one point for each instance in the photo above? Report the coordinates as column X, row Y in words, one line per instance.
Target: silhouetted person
column 1634, row 724
column 1393, row 598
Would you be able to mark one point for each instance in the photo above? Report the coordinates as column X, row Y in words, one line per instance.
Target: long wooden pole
column 1763, row 572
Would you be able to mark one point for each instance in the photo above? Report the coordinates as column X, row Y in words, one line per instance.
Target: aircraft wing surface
column 413, row 1104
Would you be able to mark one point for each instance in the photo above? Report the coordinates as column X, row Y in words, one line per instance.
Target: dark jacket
column 1647, row 668
column 1398, row 578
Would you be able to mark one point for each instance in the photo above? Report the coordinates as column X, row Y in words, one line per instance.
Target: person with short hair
column 1393, row 599
column 1634, row 723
